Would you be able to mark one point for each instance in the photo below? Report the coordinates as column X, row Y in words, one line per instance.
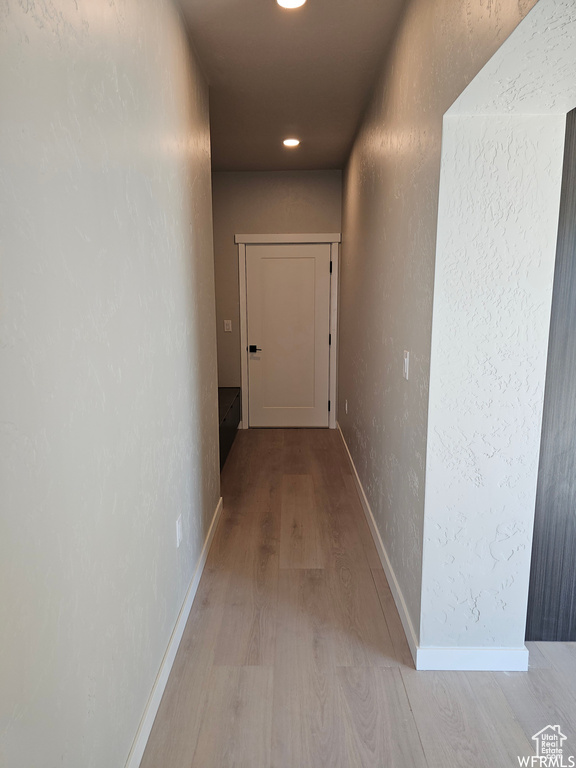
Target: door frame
column 333, row 240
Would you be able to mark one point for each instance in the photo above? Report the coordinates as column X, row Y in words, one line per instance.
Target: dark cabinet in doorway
column 229, row 416
column 552, row 596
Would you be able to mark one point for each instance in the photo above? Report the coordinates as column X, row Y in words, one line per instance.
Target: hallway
column 294, row 655
column 140, row 142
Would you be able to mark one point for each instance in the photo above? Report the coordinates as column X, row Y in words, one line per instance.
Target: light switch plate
column 406, row 364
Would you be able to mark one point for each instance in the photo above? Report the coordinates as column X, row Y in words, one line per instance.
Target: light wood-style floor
column 294, row 655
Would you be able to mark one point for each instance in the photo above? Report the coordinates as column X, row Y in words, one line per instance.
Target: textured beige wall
column 387, row 272
column 499, row 202
column 108, row 408
column 262, row 202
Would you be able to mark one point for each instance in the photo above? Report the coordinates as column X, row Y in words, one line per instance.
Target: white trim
column 440, row 659
column 147, row 721
column 473, row 659
column 243, row 335
column 313, row 237
column 331, row 239
column 333, row 362
column 385, row 560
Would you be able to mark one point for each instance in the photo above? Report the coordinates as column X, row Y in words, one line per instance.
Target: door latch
column 253, row 348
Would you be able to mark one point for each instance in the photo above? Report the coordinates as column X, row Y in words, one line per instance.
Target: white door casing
column 288, row 310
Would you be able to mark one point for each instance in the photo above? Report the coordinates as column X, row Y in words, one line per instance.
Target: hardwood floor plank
column 250, row 521
column 536, row 659
column 305, row 706
column 248, row 626
column 539, row 699
column 562, row 656
column 358, row 628
column 380, row 728
column 355, row 509
column 257, row 455
column 307, row 719
column 345, row 538
column 299, row 526
column 294, row 655
column 340, row 538
column 325, row 456
column 464, row 720
column 294, row 452
column 304, row 634
column 343, row 718
column 323, row 624
column 313, row 724
column 332, row 617
column 236, row 726
column 548, row 692
column 401, row 648
column 174, row 736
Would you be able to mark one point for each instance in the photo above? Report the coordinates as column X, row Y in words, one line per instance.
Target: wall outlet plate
column 227, row 326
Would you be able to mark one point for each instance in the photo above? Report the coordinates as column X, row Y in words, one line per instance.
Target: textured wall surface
column 389, row 237
column 499, row 202
column 262, row 203
column 108, row 407
column 517, row 79
column 502, row 159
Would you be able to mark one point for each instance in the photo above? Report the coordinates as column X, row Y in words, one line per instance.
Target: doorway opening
column 288, row 329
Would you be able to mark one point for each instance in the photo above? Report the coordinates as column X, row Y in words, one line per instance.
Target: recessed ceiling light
column 291, row 142
column 290, row 3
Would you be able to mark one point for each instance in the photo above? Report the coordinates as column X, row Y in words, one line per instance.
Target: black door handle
column 253, row 348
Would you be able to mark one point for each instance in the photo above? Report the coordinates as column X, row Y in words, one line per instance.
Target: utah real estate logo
column 549, row 750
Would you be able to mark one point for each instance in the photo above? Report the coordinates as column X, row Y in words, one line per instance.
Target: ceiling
column 275, row 73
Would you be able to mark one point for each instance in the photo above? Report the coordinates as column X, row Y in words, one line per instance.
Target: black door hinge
column 330, row 267
column 329, row 339
column 328, row 406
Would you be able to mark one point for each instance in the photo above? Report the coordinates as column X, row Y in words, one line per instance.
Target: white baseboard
column 473, row 659
column 462, row 659
column 145, row 727
column 385, row 560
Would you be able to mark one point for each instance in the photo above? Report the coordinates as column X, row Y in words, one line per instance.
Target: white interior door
column 288, row 324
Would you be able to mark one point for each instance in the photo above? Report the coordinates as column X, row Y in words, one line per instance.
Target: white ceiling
column 274, row 72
